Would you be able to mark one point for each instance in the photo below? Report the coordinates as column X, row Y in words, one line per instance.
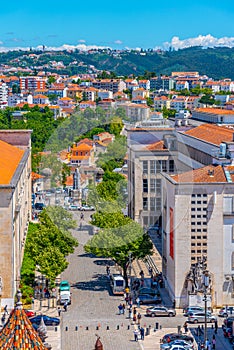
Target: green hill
column 215, row 62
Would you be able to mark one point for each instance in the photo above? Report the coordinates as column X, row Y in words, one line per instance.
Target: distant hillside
column 216, row 63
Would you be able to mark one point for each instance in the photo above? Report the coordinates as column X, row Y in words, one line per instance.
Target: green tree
column 51, row 80
column 120, row 243
column 60, row 217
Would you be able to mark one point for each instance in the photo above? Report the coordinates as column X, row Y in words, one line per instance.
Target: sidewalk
column 53, row 333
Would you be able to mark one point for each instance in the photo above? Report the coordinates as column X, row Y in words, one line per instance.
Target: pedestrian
column 139, row 318
column 5, row 310
column 3, row 318
column 65, row 306
column 150, row 271
column 213, row 342
column 185, row 327
column 216, row 326
column 59, row 311
column 209, row 346
column 206, row 343
column 123, row 309
column 135, row 332
column 138, row 301
column 174, row 304
column 142, row 331
column 120, row 307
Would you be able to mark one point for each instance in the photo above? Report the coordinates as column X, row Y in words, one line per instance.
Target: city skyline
column 125, row 25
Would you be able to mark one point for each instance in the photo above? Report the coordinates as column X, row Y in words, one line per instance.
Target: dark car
column 39, row 206
column 174, row 336
column 150, row 291
column 49, row 321
column 149, row 299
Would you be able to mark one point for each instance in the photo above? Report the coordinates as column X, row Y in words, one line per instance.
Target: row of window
column 198, row 202
column 157, row 166
column 155, row 186
column 152, row 203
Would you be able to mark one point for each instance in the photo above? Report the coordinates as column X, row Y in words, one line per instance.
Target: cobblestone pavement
column 92, row 305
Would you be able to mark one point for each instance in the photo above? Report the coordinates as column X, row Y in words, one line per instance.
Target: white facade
column 3, row 95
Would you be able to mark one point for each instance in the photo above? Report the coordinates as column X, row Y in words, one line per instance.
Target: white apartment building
column 103, row 94
column 136, row 112
column 3, row 95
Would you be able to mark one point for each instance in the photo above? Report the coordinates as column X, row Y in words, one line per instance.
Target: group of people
column 65, row 305
column 139, row 332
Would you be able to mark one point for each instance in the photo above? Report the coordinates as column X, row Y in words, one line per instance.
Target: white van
column 117, row 284
column 65, row 296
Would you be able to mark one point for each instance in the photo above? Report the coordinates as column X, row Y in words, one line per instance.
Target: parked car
column 150, row 291
column 39, row 206
column 197, row 317
column 178, row 342
column 64, row 286
column 226, row 311
column 30, row 313
column 73, row 207
column 190, row 309
column 87, row 207
column 49, row 321
column 160, row 311
column 149, row 299
column 169, row 337
column 58, row 190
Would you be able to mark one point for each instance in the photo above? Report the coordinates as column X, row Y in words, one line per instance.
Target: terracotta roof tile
column 159, row 145
column 9, row 160
column 207, row 174
column 211, row 133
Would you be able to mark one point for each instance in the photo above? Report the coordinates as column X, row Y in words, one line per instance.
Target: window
column 198, row 195
column 199, row 223
column 198, row 202
column 228, row 205
column 198, row 237
column 153, row 185
column 199, row 216
column 193, row 195
column 145, row 167
column 145, row 203
column 198, row 230
column 158, row 203
column 164, row 165
column 152, row 203
column 193, row 216
column 153, row 167
column 171, row 165
column 198, row 209
column 193, row 209
column 193, row 202
column 158, row 186
column 145, row 185
column 145, row 220
column 158, row 166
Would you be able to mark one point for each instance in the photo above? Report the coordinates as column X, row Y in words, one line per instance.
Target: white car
column 73, row 207
column 87, row 207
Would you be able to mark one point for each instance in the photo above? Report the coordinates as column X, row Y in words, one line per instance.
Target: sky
column 116, row 24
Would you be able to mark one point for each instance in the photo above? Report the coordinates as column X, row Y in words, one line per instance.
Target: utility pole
column 206, row 282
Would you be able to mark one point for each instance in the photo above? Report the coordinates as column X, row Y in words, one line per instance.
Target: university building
column 182, row 180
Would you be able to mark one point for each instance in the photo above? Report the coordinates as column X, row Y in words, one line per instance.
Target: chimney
column 211, row 172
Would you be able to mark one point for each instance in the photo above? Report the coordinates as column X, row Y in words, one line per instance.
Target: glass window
column 145, row 167
column 152, row 203
column 153, row 185
column 171, row 166
column 164, row 165
column 145, row 185
column 153, row 167
column 158, row 166
column 158, row 186
column 145, row 203
column 158, row 203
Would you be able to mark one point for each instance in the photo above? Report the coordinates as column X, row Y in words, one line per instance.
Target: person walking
column 138, row 301
column 123, row 309
column 59, row 311
column 216, row 326
column 5, row 310
column 135, row 332
column 138, row 318
column 213, row 342
column 120, row 307
column 185, row 327
column 207, row 344
column 65, row 306
column 142, row 331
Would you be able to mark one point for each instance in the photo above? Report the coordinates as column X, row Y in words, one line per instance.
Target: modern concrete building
column 15, row 206
column 182, row 180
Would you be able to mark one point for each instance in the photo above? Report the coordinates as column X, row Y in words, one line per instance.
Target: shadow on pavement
column 104, row 262
column 99, row 283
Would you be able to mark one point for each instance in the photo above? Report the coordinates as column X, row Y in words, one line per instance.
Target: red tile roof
column 159, row 145
column 211, row 133
column 9, row 160
column 207, row 174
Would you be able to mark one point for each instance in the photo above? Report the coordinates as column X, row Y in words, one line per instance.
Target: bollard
column 56, row 329
column 66, row 328
column 147, row 332
column 117, row 327
column 156, row 325
column 128, row 327
column 87, row 328
column 76, row 329
column 107, row 328
column 97, row 328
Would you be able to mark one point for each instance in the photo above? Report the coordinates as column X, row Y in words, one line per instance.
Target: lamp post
column 206, row 283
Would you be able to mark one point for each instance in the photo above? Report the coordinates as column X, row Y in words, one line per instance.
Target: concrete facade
column 15, row 212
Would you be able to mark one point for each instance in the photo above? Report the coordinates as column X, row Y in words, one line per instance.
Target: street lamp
column 205, row 283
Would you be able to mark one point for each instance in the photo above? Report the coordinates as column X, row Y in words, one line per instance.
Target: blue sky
column 119, row 24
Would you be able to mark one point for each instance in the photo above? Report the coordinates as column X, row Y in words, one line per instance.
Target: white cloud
column 82, row 41
column 118, row 42
column 63, row 47
column 201, row 40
